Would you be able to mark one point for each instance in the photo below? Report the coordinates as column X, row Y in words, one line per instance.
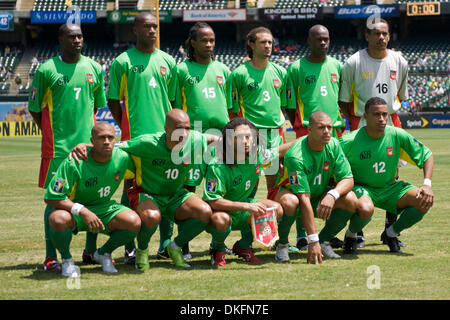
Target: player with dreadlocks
column 202, row 93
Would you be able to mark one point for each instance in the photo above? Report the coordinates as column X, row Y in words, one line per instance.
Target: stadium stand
column 60, row 5
column 7, row 4
column 192, row 4
column 308, row 3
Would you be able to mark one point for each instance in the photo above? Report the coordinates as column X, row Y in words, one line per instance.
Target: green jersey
column 145, row 84
column 308, row 171
column 90, row 183
column 259, row 94
column 202, row 93
column 66, row 94
column 312, row 87
column 374, row 161
column 235, row 182
column 159, row 170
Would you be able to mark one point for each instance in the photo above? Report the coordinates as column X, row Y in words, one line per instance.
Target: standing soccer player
column 373, row 152
column 374, row 72
column 258, row 93
column 313, row 84
column 310, row 166
column 64, row 95
column 80, row 196
column 202, row 93
column 143, row 79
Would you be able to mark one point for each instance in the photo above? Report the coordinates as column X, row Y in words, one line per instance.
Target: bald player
column 310, row 166
column 142, row 87
column 313, row 84
column 80, row 197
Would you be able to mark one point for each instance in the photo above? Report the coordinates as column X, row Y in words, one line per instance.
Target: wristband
column 76, row 208
column 427, row 182
column 312, row 238
column 334, row 194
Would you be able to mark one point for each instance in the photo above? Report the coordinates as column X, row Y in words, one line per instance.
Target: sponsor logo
column 93, row 181
column 365, row 155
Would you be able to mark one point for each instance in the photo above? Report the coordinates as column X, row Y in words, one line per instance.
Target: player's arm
column 37, row 117
column 228, row 205
column 314, row 249
column 80, row 151
column 425, row 193
column 116, row 111
column 345, row 89
column 90, row 218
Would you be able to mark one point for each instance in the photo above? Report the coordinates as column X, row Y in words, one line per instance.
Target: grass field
column 422, row 272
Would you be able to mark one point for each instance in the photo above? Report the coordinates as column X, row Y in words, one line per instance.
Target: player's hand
column 257, row 208
column 425, row 194
column 314, row 253
column 80, row 151
column 325, row 207
column 92, row 221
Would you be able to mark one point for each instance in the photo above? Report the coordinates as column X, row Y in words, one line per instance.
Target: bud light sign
column 347, row 12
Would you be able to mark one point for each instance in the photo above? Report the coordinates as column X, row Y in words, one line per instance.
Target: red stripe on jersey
column 43, row 171
column 48, row 143
column 125, row 127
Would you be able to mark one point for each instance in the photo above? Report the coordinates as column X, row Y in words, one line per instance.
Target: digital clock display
column 423, row 9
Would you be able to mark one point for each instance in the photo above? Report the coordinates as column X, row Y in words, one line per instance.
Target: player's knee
column 279, row 210
column 204, row 212
column 290, row 203
column 365, row 209
column 134, row 223
column 220, row 221
column 351, row 202
column 150, row 217
column 60, row 220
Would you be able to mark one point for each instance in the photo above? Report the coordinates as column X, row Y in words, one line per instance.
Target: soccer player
column 373, row 152
column 313, row 84
column 258, row 93
column 309, row 167
column 80, row 197
column 162, row 162
column 64, row 95
column 374, row 72
column 202, row 93
column 229, row 185
column 143, row 79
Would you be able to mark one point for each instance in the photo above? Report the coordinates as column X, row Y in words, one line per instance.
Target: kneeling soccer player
column 310, row 164
column 80, row 194
column 373, row 152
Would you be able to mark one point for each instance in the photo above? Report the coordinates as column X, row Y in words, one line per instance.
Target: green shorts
column 167, row 205
column 385, row 198
column 106, row 212
column 239, row 219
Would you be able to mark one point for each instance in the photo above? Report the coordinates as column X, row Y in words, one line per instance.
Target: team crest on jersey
column 219, row 80
column 89, row 77
column 59, row 185
column 257, row 168
column 334, row 77
column 212, row 185
column 293, row 178
column 33, row 94
column 326, row 165
column 393, row 74
column 163, row 70
column 117, row 176
column 288, row 93
column 276, row 83
column 389, row 151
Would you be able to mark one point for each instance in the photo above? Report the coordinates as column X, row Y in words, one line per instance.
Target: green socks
column 91, row 242
column 188, row 230
column 144, row 235
column 61, row 241
column 301, row 232
column 165, row 233
column 409, row 217
column 246, row 240
column 118, row 238
column 284, row 226
column 357, row 223
column 50, row 250
column 218, row 237
column 336, row 222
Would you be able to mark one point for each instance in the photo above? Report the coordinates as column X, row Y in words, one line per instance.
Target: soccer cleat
column 52, row 264
column 350, row 245
column 247, row 254
column 360, row 240
column 227, row 250
column 282, row 253
column 142, row 260
column 218, row 258
column 384, row 240
column 302, row 244
column 177, row 257
column 336, row 243
column 393, row 244
column 69, row 269
column 87, row 258
column 328, row 252
column 106, row 262
column 186, row 253
column 162, row 255
column 130, row 257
